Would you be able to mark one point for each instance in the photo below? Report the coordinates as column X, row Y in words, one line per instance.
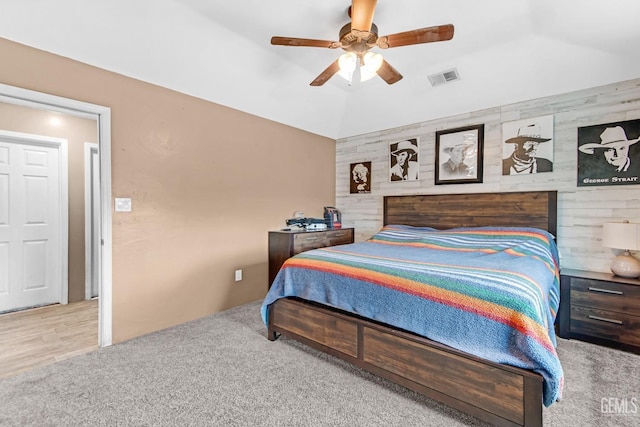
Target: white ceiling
column 505, row 51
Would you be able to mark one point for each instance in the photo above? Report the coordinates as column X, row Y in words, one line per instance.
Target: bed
column 498, row 392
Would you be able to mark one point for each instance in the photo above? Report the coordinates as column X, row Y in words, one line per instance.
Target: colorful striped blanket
column 489, row 291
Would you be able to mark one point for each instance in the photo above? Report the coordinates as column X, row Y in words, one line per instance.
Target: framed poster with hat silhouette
column 459, row 155
column 403, row 160
column 528, row 146
column 608, row 154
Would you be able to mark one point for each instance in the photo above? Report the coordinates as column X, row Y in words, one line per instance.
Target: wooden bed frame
column 500, row 394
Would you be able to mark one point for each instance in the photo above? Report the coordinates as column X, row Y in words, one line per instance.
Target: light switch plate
column 123, row 204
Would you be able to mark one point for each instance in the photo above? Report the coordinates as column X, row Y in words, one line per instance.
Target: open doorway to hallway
column 45, row 205
column 102, row 118
column 52, row 190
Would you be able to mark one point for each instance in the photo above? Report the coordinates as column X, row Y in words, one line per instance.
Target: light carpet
column 222, row 371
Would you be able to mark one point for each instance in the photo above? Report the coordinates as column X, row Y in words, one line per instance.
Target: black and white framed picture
column 459, row 155
column 403, row 160
column 527, row 146
column 360, row 177
column 608, row 154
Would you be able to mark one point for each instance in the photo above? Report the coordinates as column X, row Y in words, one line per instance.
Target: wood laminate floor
column 45, row 335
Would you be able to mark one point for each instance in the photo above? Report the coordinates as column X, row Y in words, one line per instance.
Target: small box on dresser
column 600, row 308
column 285, row 244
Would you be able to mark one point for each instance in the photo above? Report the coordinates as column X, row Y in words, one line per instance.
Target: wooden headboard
column 516, row 209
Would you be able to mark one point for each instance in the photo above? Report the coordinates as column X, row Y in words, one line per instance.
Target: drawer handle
column 604, row 319
column 605, row 291
column 344, row 233
column 310, row 238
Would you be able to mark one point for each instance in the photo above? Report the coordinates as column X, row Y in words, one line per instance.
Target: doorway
column 102, row 115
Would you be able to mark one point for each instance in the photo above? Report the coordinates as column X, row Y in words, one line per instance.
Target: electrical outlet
column 238, row 275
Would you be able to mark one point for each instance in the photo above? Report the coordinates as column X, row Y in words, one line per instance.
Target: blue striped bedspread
column 488, row 291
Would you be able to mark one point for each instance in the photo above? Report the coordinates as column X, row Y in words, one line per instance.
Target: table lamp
column 626, row 236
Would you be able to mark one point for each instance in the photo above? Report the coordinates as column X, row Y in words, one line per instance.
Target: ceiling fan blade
column 423, row 35
column 326, row 74
column 362, row 14
column 292, row 41
column 388, row 73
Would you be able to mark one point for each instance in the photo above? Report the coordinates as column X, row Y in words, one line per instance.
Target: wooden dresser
column 600, row 308
column 285, row 244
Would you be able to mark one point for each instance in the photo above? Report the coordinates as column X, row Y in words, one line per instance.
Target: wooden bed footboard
column 499, row 394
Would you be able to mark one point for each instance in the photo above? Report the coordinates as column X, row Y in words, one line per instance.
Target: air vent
column 444, row 77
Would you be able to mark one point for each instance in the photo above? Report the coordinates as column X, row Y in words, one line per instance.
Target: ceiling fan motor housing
column 358, row 41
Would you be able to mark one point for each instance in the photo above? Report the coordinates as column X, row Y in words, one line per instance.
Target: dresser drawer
column 608, row 325
column 339, row 237
column 284, row 244
column 606, row 296
column 306, row 241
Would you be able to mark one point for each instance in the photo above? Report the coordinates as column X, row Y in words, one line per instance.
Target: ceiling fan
column 358, row 37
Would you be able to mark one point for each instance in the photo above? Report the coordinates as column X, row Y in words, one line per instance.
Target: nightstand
column 285, row 244
column 600, row 308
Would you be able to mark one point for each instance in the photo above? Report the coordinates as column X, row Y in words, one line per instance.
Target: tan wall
column 76, row 131
column 207, row 182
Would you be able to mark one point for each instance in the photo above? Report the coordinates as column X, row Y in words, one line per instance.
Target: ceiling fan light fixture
column 357, row 37
column 371, row 63
column 347, row 63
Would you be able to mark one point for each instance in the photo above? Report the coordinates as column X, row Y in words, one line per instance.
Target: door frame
column 91, row 233
column 102, row 115
column 60, row 144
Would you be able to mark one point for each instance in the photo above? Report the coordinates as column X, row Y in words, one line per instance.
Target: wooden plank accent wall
column 581, row 210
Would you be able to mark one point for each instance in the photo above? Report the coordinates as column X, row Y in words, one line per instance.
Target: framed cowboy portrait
column 527, row 146
column 403, row 160
column 459, row 155
column 360, row 178
column 609, row 154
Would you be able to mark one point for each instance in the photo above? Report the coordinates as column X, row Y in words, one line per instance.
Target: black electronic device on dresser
column 600, row 308
column 285, row 244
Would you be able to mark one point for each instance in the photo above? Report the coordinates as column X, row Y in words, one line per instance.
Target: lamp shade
column 626, row 236
column 347, row 63
column 371, row 64
column 621, row 235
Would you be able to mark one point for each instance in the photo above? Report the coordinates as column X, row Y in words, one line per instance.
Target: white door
column 31, row 241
